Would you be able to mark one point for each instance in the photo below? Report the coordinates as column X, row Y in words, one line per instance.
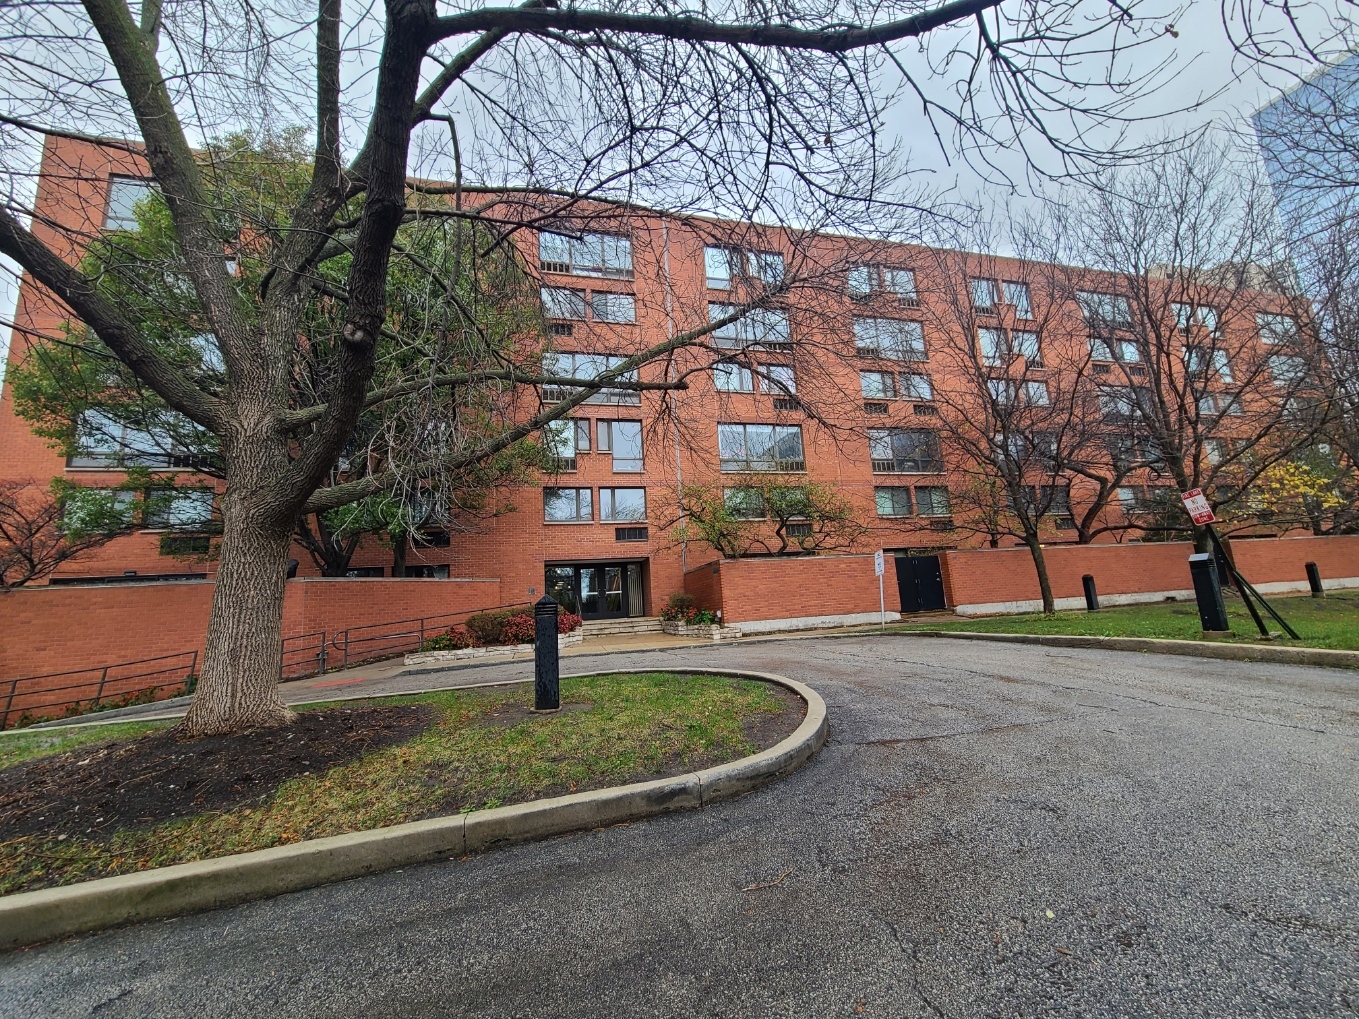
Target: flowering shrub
column 567, row 622
column 689, row 615
column 518, row 630
column 453, row 639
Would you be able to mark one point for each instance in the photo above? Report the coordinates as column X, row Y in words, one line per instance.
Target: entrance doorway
column 597, row 590
column 920, row 582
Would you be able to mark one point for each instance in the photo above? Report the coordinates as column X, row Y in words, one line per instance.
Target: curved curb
column 1320, row 657
column 30, row 917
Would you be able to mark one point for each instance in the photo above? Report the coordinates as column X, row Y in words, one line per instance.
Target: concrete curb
column 30, row 917
column 1191, row 648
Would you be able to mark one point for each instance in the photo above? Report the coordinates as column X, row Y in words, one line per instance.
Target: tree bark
column 1040, row 566
column 398, row 555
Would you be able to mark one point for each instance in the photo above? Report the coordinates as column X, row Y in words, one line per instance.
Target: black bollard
column 1314, row 581
column 1091, row 595
column 1208, row 593
column 546, row 665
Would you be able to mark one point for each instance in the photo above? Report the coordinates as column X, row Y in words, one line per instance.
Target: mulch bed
column 767, row 729
column 155, row 778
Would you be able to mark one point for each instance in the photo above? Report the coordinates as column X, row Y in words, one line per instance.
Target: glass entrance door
column 596, row 590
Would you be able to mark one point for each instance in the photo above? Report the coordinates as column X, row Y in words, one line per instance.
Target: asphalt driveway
column 992, row 830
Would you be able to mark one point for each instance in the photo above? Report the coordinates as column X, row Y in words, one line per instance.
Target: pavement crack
column 986, row 731
column 910, row 953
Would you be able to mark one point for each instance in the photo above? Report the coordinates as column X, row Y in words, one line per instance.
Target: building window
column 1024, row 343
column 1002, row 391
column 567, row 505
column 102, row 441
column 916, row 387
column 1036, row 394
column 904, row 451
column 733, row 378
column 1276, row 329
column 563, row 303
column 90, row 510
column 560, row 443
column 744, row 503
column 1102, row 349
column 723, row 265
column 995, row 351
column 124, row 193
column 588, row 366
column 1287, row 369
column 899, row 339
column 1017, row 296
column 759, row 326
column 586, row 255
column 610, row 307
column 179, row 509
column 893, row 502
column 622, row 504
column 778, row 379
column 878, row 385
column 932, row 501
column 624, row 440
column 984, row 295
column 1104, row 311
column 1215, row 450
column 866, row 280
column 760, row 447
column 1119, row 403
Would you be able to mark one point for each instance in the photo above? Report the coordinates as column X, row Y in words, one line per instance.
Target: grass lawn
column 1330, row 622
column 480, row 749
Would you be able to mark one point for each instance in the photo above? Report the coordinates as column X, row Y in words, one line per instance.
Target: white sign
column 1197, row 505
column 879, row 566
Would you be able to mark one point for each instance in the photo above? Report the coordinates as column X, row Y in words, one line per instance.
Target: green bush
column 486, row 627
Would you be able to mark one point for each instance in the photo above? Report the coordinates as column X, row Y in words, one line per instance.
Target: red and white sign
column 1197, row 505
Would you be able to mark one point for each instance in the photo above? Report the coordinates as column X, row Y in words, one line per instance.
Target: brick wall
column 705, row 584
column 58, row 628
column 981, row 581
column 785, row 593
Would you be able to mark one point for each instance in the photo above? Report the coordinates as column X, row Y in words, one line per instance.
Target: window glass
column 1222, row 364
column 622, row 504
column 124, row 194
column 586, row 255
column 1017, row 295
column 567, row 504
column 1184, row 315
column 932, row 501
column 608, row 307
column 758, row 325
column 860, row 281
column 717, row 265
column 1276, row 329
column 93, row 510
column 900, row 282
column 983, row 294
column 1099, row 350
column 1104, row 310
column 1024, row 342
column 733, row 378
column 1208, row 319
column 904, row 451
column 916, row 387
column 559, row 439
column 893, row 502
column 778, row 379
column 760, row 447
column 900, row 339
column 1036, row 394
column 563, row 303
column 588, row 366
column 104, row 441
column 744, row 503
column 1287, row 370
column 1002, row 391
column 994, row 350
column 766, row 266
column 179, row 507
column 625, row 442
column 877, row 385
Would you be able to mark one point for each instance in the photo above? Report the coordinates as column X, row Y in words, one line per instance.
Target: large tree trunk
column 1040, row 566
column 238, row 688
column 399, row 555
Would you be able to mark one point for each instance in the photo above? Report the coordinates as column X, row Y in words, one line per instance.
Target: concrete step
column 636, row 624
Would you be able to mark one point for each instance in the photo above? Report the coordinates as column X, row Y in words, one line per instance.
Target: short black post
column 1208, row 593
column 1314, row 581
column 546, row 665
column 1091, row 595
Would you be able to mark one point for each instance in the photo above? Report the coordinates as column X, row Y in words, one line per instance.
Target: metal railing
column 387, row 640
column 105, row 686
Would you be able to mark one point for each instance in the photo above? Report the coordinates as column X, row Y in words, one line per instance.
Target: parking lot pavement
column 992, row 830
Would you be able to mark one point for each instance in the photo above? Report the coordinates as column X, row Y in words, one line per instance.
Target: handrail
column 351, row 647
column 189, row 670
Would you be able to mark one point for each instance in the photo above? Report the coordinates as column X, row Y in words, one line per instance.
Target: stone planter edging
column 504, row 651
column 707, row 631
column 27, row 918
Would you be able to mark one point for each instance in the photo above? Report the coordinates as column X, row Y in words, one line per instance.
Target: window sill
column 566, row 523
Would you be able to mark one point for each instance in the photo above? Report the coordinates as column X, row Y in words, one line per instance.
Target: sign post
column 880, row 567
column 1197, row 505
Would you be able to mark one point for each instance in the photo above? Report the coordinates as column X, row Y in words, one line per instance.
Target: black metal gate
column 920, row 581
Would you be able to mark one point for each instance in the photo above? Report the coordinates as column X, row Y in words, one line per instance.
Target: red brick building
column 841, row 383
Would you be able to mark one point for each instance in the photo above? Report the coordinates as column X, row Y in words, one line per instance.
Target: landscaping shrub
column 680, row 609
column 568, row 622
column 453, row 639
column 486, row 626
column 518, row 630
column 680, row 601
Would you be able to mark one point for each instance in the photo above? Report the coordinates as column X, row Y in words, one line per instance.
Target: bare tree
column 43, row 527
column 766, row 111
